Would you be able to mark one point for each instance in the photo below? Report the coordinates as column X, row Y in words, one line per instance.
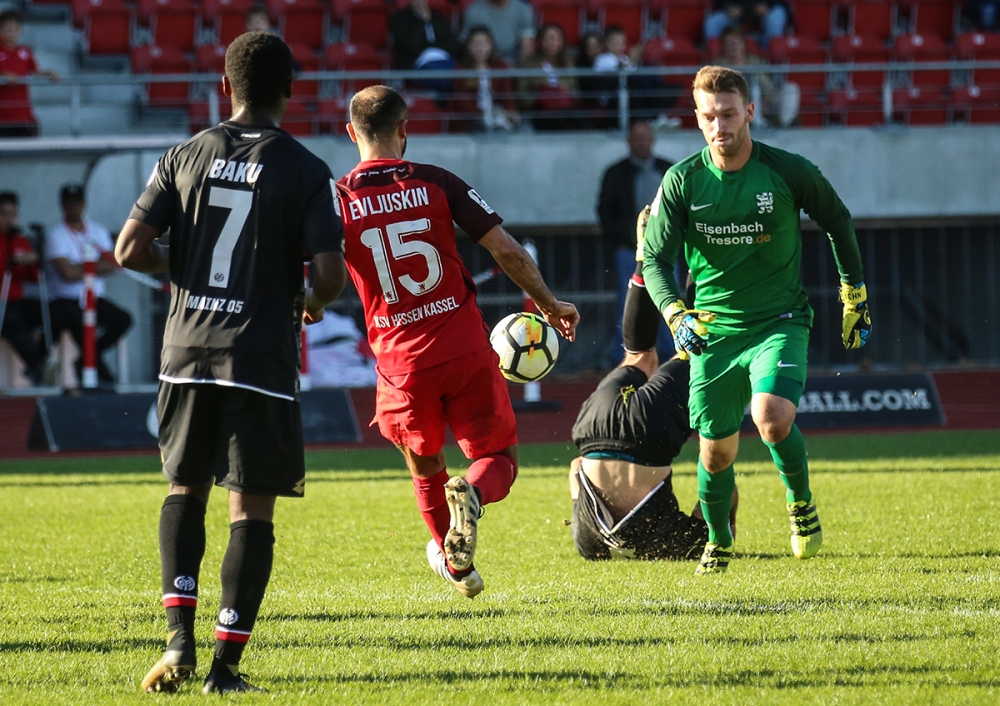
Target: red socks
column 492, row 476
column 432, row 505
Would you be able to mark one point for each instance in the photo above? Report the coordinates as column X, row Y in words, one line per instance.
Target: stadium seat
column 172, row 23
column 210, row 59
column 298, row 119
column 876, row 17
column 814, row 18
column 800, row 49
column 162, row 60
column 972, row 104
column 332, row 115
column 627, row 14
column 354, row 57
column 363, row 21
column 713, row 47
column 932, row 16
column 861, row 49
column 198, row 113
column 306, row 58
column 853, row 107
column 920, row 106
column 425, row 117
column 681, row 19
column 979, row 46
column 680, row 51
column 107, row 25
column 299, row 21
column 226, row 17
column 570, row 15
column 924, row 47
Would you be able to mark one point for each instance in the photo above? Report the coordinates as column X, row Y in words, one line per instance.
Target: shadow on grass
column 117, row 644
column 392, row 616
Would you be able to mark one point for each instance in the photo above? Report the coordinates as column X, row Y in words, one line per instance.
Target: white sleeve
column 58, row 244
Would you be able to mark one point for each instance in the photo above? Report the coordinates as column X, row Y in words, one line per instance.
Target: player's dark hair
column 375, row 113
column 11, row 16
column 259, row 68
column 7, row 196
column 719, row 79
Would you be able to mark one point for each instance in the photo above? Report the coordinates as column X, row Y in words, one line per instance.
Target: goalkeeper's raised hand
column 857, row 324
column 687, row 327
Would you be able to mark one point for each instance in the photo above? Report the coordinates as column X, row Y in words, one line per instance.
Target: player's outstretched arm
column 138, row 250
column 328, row 280
column 523, row 271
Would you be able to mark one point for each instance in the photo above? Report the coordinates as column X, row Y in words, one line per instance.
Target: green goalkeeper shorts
column 733, row 368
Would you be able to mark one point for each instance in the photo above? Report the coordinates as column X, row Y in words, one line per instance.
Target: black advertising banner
column 857, row 401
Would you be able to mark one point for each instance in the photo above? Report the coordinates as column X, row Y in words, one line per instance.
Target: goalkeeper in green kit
column 734, row 210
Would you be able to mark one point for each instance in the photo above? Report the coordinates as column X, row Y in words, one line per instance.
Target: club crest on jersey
column 765, row 202
column 241, row 172
column 479, row 199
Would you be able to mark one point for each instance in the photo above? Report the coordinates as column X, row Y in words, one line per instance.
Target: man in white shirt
column 67, row 247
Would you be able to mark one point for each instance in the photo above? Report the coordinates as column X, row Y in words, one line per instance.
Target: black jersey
column 244, row 207
column 644, row 419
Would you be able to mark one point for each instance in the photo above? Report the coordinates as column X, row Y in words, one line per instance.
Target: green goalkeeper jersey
column 742, row 237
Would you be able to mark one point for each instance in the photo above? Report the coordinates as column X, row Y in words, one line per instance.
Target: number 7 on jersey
column 238, row 204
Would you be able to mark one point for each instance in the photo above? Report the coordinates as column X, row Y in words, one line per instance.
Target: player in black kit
column 244, row 204
column 628, row 433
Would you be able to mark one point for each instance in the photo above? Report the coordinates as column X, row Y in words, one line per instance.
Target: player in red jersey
column 436, row 368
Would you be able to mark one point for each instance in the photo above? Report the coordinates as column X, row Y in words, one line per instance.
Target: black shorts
column 246, row 441
column 656, row 529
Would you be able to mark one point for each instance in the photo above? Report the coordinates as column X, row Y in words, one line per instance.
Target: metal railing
column 646, row 92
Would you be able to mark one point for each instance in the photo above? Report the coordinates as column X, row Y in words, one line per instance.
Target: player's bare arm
column 328, row 280
column 138, row 250
column 522, row 270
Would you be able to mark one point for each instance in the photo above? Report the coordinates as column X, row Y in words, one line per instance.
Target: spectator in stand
column 491, row 97
column 549, row 93
column 617, row 57
column 421, row 37
column 597, row 93
column 257, row 21
column 616, row 54
column 68, row 246
column 769, row 18
column 22, row 320
column 512, row 23
column 983, row 14
column 777, row 103
column 17, row 119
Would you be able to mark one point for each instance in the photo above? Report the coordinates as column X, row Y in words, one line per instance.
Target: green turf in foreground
column 900, row 606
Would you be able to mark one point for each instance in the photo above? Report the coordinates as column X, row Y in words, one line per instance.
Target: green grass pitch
column 902, row 606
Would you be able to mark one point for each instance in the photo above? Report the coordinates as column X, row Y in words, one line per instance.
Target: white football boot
column 469, row 586
column 463, row 504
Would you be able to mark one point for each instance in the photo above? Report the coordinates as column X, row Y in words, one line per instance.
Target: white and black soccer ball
column 528, row 347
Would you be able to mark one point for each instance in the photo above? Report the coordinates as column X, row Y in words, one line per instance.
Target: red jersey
column 399, row 243
column 12, row 245
column 15, row 105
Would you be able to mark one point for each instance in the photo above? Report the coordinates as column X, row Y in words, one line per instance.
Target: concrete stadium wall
column 553, row 179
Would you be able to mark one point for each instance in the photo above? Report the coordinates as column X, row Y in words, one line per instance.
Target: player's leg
column 778, row 373
column 264, row 460
column 719, row 392
column 190, row 451
column 20, row 322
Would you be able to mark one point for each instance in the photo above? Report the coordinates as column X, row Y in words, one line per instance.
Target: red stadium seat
column 568, row 14
column 876, row 17
column 210, row 59
column 107, row 25
column 800, row 49
column 814, row 18
column 354, row 57
column 425, row 117
column 979, row 46
column 920, row 106
column 932, row 16
column 627, row 14
column 305, row 57
column 363, row 21
column 162, row 60
column 171, row 23
column 861, row 49
column 300, row 21
column 924, row 47
column 681, row 19
column 226, row 17
column 854, row 107
column 973, row 104
column 332, row 115
column 299, row 119
column 678, row 51
column 713, row 48
column 198, row 113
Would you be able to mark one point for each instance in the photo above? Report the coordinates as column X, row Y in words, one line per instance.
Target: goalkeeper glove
column 857, row 324
column 641, row 221
column 687, row 327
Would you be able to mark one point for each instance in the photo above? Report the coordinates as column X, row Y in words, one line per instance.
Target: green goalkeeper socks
column 790, row 457
column 715, row 492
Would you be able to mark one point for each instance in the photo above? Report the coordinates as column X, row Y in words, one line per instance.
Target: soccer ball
column 528, row 347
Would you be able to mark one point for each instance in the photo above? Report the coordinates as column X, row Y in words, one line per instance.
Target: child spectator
column 777, row 103
column 549, row 93
column 489, row 97
column 17, row 119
